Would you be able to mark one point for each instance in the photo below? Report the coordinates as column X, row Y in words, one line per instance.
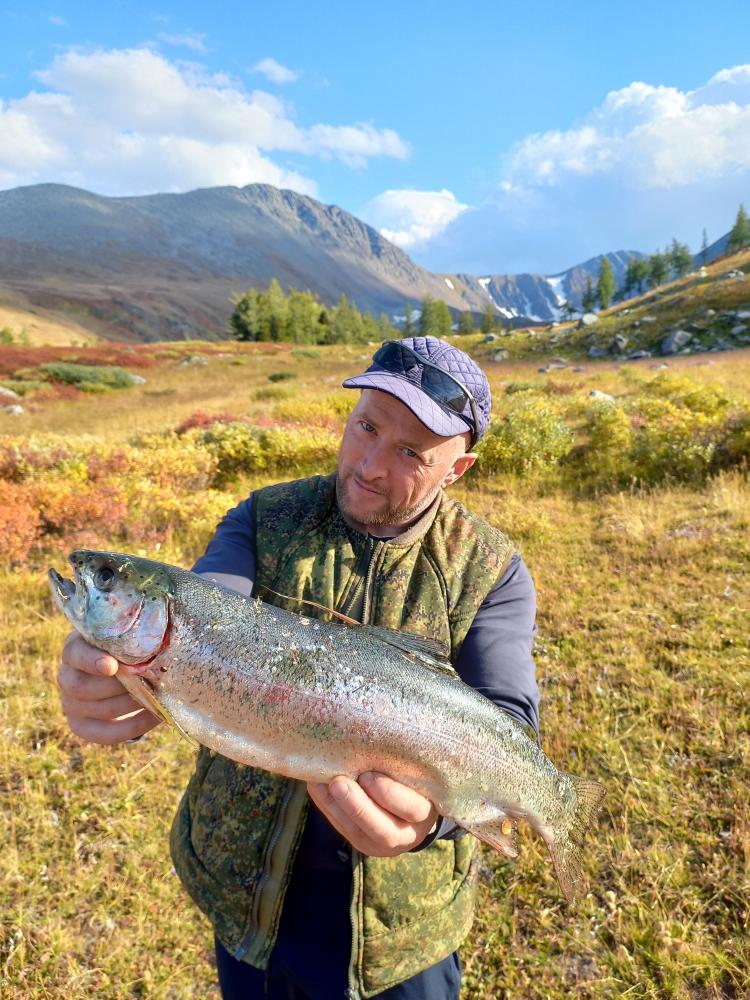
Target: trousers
column 240, row 981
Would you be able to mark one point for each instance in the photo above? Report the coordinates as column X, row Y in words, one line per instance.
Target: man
column 357, row 888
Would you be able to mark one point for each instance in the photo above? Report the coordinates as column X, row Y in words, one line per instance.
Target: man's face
column 390, row 466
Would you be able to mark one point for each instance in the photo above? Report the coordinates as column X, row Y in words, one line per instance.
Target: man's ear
column 462, row 464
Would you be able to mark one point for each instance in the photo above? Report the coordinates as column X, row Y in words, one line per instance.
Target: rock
column 709, row 312
column 648, row 319
column 597, row 352
column 588, row 319
column 8, row 393
column 742, row 314
column 602, row 397
column 722, row 344
column 490, row 338
column 734, row 273
column 703, row 272
column 560, row 362
column 137, row 379
column 500, row 356
column 13, row 410
column 658, row 368
column 552, row 367
column 675, row 341
column 637, row 355
column 695, row 327
column 739, row 329
column 194, row 359
column 619, row 344
column 578, row 368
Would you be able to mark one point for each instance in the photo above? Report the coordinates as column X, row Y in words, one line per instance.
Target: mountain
column 166, row 266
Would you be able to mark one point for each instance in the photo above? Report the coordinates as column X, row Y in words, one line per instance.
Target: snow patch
column 449, row 283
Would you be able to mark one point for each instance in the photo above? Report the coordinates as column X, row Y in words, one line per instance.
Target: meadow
column 631, row 508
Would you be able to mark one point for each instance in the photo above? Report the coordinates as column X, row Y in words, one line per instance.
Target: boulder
column 659, row 368
column 8, row 393
column 500, row 356
column 588, row 319
column 675, row 341
column 648, row 319
column 597, row 352
column 490, row 338
column 137, row 379
column 14, row 410
column 722, row 344
column 619, row 344
column 741, row 328
column 637, row 355
column 602, row 397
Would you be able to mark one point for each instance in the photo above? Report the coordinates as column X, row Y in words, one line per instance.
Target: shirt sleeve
column 232, row 548
column 496, row 658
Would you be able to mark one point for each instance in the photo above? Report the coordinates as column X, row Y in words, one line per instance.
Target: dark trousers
column 240, row 981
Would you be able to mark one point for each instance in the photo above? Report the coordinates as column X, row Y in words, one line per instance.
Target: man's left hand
column 378, row 816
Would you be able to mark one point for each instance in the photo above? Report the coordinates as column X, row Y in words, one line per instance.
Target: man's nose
column 372, row 464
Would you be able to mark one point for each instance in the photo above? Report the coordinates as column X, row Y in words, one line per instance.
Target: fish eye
column 104, row 578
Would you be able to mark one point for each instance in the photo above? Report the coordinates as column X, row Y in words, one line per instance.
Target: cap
column 404, row 377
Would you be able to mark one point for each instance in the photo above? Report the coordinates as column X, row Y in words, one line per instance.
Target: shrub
column 235, row 448
column 199, row 418
column 330, row 411
column 531, row 438
column 672, row 443
column 299, row 450
column 604, row 457
column 20, row 523
column 87, row 376
column 272, row 392
column 281, row 376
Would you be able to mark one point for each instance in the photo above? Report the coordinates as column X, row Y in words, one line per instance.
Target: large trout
column 311, row 700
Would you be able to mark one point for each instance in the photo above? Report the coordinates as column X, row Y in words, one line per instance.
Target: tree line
column 675, row 261
column 300, row 318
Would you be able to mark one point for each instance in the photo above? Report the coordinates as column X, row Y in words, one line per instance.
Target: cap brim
column 424, row 408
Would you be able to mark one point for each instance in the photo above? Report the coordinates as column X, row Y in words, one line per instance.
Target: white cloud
column 190, row 40
column 274, row 71
column 650, row 162
column 132, row 121
column 411, row 218
column 59, row 22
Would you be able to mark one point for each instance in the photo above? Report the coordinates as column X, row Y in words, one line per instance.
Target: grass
column 642, row 660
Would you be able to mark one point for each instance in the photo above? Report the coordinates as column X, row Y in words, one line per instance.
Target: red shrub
column 199, row 418
column 20, row 524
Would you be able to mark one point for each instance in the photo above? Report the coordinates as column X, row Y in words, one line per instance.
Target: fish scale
column 311, row 700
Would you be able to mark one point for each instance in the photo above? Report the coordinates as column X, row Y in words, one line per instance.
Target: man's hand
column 97, row 706
column 377, row 815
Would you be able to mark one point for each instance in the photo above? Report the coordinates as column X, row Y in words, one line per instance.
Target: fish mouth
column 64, row 589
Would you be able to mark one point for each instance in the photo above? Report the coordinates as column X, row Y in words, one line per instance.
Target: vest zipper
column 376, row 548
column 351, row 597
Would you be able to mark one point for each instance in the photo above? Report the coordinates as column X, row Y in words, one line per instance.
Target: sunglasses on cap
column 442, row 387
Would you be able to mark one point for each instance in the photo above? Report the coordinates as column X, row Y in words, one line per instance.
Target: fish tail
column 566, row 849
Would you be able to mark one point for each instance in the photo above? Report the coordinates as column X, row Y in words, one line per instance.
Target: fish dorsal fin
column 430, row 651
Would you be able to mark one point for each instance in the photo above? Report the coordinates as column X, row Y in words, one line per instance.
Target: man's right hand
column 97, row 706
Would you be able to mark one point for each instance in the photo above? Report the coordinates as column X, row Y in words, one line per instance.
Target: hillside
column 165, row 266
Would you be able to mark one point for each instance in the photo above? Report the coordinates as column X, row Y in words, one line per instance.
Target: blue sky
column 516, row 136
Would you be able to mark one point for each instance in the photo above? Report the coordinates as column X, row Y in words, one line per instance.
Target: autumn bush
column 20, row 523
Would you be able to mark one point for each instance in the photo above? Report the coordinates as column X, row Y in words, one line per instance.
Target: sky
column 499, row 138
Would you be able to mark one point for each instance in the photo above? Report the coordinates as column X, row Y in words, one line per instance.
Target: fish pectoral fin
column 430, row 651
column 142, row 692
column 499, row 832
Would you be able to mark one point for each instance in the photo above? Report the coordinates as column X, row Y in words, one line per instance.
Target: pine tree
column 605, row 286
column 704, row 248
column 465, row 322
column 487, row 325
column 739, row 234
column 680, row 258
column 658, row 268
column 436, row 319
column 589, row 296
column 640, row 272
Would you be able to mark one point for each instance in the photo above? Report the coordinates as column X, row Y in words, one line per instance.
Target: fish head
column 119, row 603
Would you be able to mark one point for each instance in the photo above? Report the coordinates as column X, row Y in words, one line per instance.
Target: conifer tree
column 589, row 296
column 487, row 324
column 465, row 322
column 680, row 258
column 409, row 320
column 658, row 268
column 739, row 234
column 704, row 248
column 605, row 286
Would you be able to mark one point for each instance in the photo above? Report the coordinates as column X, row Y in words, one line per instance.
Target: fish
column 312, row 699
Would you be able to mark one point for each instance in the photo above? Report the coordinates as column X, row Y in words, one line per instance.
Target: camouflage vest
column 236, row 831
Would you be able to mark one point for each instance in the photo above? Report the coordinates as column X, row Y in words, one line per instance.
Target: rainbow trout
column 311, row 700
